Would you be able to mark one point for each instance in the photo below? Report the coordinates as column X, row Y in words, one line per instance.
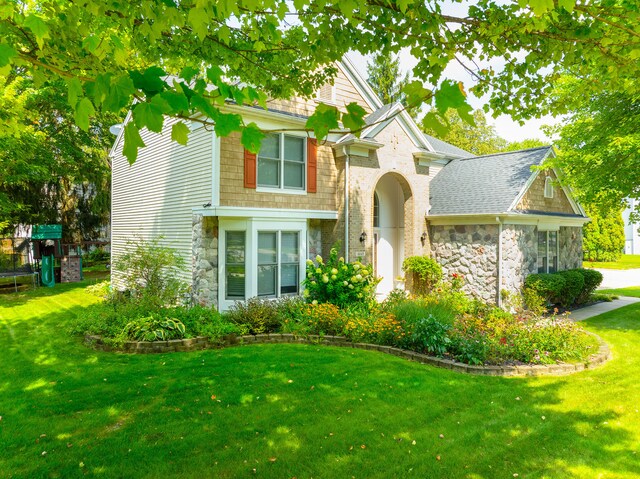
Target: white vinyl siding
column 155, row 196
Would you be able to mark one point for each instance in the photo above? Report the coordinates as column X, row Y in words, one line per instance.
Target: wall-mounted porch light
column 363, row 237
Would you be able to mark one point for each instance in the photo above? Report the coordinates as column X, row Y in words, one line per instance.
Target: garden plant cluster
column 339, row 300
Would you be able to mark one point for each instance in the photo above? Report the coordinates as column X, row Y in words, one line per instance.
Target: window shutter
column 250, row 169
column 312, row 165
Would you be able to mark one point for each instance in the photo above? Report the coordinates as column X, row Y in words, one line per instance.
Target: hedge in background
column 568, row 288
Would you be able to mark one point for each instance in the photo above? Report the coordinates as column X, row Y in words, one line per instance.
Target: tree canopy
column 190, row 58
column 52, row 172
column 599, row 147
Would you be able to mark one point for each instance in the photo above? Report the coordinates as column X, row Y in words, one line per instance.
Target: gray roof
column 447, row 148
column 483, row 184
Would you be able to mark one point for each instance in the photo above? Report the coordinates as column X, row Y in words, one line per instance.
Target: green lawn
column 626, row 261
column 631, row 291
column 300, row 411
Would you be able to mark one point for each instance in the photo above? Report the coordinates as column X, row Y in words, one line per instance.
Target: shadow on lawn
column 222, row 413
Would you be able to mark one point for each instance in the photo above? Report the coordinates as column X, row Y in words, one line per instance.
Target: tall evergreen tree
column 386, row 78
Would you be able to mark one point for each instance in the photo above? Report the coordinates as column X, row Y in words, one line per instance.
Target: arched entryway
column 392, row 205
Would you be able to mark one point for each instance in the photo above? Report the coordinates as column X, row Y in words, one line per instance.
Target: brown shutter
column 312, row 165
column 250, row 169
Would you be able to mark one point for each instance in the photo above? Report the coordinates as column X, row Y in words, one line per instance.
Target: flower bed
column 142, row 347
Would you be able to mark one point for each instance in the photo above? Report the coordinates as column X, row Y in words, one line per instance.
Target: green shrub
column 150, row 272
column 338, row 282
column 257, row 315
column 548, row 286
column 592, row 279
column 468, row 347
column 96, row 255
column 425, row 273
column 573, row 287
column 428, row 335
column 203, row 321
column 153, row 328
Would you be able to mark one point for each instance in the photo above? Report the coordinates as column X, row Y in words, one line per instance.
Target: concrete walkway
column 596, row 309
column 619, row 278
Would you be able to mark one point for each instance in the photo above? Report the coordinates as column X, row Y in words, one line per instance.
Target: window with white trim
column 547, row 251
column 235, row 264
column 376, row 210
column 262, row 257
column 548, row 187
column 278, row 263
column 282, row 162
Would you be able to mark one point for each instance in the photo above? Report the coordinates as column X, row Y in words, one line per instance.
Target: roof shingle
column 483, row 184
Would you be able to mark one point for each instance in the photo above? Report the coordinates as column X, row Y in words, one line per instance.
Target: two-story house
column 247, row 223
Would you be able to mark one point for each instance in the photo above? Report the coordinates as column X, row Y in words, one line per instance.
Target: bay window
column 260, row 260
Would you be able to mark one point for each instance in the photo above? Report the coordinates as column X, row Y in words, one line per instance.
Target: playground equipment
column 46, row 247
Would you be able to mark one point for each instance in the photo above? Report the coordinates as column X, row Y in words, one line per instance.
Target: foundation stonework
column 470, row 251
column 205, row 260
column 519, row 255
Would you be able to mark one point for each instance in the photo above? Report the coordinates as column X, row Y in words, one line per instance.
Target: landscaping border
column 200, row 343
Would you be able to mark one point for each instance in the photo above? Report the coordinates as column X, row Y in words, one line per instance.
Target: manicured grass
column 626, row 261
column 631, row 291
column 295, row 410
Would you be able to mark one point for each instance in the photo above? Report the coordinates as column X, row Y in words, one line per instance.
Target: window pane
column 293, row 175
column 294, row 149
column 267, row 280
column 235, row 282
column 376, row 210
column 289, row 280
column 542, row 251
column 235, row 247
column 270, row 147
column 267, row 248
column 235, row 270
column 553, row 251
column 289, row 247
column 268, row 172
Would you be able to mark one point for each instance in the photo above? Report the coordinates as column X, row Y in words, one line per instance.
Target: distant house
column 631, row 230
column 247, row 222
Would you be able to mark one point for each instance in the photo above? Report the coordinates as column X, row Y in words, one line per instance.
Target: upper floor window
column 281, row 162
column 548, row 187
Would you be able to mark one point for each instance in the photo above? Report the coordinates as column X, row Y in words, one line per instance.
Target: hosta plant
column 152, row 328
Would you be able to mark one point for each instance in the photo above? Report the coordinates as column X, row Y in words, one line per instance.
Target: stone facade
column 570, row 243
column 470, row 251
column 519, row 255
column 205, row 260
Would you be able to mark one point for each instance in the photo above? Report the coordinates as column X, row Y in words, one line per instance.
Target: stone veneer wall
column 519, row 255
column 570, row 239
column 205, row 260
column 471, row 251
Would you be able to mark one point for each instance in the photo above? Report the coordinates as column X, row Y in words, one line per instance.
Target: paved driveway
column 618, row 278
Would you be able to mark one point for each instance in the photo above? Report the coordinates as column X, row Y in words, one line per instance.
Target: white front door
column 388, row 233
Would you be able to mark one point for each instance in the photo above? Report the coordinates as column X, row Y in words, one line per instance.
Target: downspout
column 499, row 261
column 346, row 205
